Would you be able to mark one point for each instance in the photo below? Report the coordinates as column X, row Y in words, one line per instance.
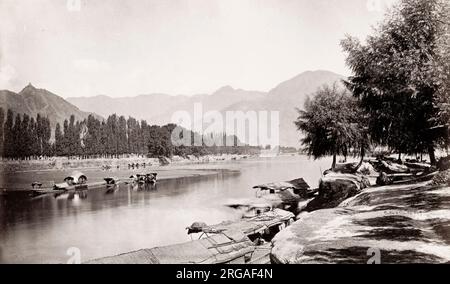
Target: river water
column 101, row 223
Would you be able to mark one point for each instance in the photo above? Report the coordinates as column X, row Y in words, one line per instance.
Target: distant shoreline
column 64, row 163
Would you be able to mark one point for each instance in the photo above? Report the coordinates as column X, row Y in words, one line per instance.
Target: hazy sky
column 132, row 47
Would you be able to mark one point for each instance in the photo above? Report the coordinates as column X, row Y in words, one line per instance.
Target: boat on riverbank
column 284, row 195
column 149, row 178
column 77, row 181
column 215, row 249
column 246, row 241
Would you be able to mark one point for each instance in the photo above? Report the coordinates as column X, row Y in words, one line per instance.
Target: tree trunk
column 333, row 166
column 363, row 153
column 432, row 155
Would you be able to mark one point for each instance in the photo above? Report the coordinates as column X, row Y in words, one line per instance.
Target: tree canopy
column 401, row 75
column 333, row 124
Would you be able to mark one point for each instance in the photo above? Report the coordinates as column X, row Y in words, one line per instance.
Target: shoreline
column 64, row 163
column 164, row 175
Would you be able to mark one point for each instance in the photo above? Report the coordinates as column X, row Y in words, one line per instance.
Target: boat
column 282, row 195
column 254, row 210
column 144, row 178
column 76, row 178
column 285, row 195
column 262, row 226
column 77, row 182
column 111, row 180
column 298, row 186
column 216, row 249
column 36, row 185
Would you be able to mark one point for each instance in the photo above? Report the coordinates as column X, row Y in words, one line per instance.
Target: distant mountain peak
column 33, row 101
column 224, row 89
column 306, row 83
column 29, row 87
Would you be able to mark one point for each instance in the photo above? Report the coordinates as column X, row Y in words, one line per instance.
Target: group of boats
column 245, row 241
column 78, row 181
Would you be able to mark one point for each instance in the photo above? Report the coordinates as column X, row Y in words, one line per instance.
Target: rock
column 389, row 167
column 347, row 168
column 400, row 224
column 442, row 178
column 444, row 163
column 418, row 166
column 366, row 169
column 335, row 188
column 394, row 168
column 384, row 179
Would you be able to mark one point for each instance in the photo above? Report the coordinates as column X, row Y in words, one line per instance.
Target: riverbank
column 169, row 173
column 64, row 163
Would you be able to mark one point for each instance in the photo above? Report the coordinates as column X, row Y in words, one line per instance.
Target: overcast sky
column 131, row 47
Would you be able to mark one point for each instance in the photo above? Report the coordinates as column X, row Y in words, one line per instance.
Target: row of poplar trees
column 25, row 137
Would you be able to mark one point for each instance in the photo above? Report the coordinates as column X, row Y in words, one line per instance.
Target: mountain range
column 33, row 101
column 159, row 108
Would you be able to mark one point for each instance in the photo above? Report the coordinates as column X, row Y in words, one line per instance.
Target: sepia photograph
column 212, row 132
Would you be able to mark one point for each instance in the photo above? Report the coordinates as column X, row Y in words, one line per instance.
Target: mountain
column 159, row 108
column 140, row 107
column 288, row 96
column 304, row 84
column 32, row 101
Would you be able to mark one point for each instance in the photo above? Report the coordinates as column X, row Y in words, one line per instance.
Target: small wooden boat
column 298, row 186
column 76, row 178
column 214, row 249
column 264, row 225
column 144, row 178
column 36, row 185
column 111, row 180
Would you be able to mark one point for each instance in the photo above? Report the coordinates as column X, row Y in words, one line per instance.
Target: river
column 42, row 229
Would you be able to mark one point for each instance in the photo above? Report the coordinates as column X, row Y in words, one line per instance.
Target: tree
column 112, row 135
column 46, row 136
column 25, row 137
column 9, row 144
column 401, row 74
column 93, row 137
column 122, row 142
column 144, row 137
column 133, row 129
column 34, row 145
column 2, row 122
column 59, row 140
column 332, row 124
column 73, row 137
column 16, row 134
